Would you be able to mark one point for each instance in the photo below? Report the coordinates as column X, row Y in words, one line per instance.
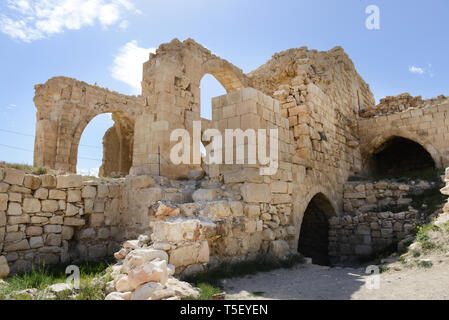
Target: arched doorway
column 210, row 87
column 399, row 155
column 314, row 235
column 107, row 140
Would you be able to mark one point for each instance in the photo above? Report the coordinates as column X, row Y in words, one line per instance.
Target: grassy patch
column 25, row 167
column 209, row 281
column 42, row 277
column 424, row 264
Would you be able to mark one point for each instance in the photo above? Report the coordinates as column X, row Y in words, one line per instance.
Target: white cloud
column 414, row 69
column 88, row 172
column 128, row 64
column 30, row 20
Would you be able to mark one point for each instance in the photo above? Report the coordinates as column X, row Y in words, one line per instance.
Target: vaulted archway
column 314, row 234
column 399, row 155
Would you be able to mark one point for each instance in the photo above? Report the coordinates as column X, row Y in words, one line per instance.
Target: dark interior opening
column 399, row 155
column 314, row 236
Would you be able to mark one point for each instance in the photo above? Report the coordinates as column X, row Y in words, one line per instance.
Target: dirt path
column 317, row 282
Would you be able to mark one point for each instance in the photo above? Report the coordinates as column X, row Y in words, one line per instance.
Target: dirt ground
column 306, row 282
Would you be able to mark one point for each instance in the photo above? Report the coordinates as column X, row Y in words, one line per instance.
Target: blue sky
column 103, row 42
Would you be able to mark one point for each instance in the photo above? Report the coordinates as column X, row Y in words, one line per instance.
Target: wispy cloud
column 128, row 62
column 88, row 172
column 422, row 70
column 414, row 69
column 30, row 20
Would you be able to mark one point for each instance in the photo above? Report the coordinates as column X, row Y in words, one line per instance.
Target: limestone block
column 154, row 271
column 3, row 187
column 48, row 181
column 102, row 191
column 279, row 187
column 22, row 219
column 218, row 209
column 89, row 192
column 50, row 206
column 14, row 209
column 279, row 248
column 69, row 181
column 140, row 182
column 14, row 176
column 141, row 256
column 52, row 228
column 74, row 196
column 41, row 194
column 3, row 201
column 67, row 233
column 31, row 205
column 14, row 236
column 14, row 197
column 253, row 193
column 36, row 242
column 146, row 291
column 34, row 231
column 190, row 254
column 204, row 195
column 71, row 210
column 57, row 195
column 32, row 182
column 243, row 175
column 182, row 229
column 236, row 208
column 74, row 222
column 252, row 211
column 96, row 219
column 2, row 218
column 39, row 220
column 17, row 246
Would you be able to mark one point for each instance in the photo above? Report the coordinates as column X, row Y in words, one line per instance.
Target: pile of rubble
column 399, row 103
column 144, row 273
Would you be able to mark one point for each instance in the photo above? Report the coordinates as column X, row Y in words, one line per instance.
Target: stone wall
column 427, row 125
column 56, row 219
column 361, row 236
column 399, row 103
column 65, row 107
column 361, row 197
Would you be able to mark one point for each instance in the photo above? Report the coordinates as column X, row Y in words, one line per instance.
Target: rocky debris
column 144, row 274
column 399, row 103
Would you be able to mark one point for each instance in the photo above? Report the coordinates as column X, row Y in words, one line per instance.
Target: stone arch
column 64, row 108
column 121, row 133
column 376, row 144
column 313, row 238
column 230, row 77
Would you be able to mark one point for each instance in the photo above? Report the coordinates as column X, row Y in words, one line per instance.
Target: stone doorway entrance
column 314, row 235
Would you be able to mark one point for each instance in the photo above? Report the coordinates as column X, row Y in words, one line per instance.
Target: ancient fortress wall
column 328, row 128
column 65, row 107
column 424, row 122
column 57, row 219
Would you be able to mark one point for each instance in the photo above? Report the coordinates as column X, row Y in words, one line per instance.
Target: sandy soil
column 304, row 282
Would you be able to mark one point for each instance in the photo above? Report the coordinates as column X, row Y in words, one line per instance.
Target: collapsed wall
column 328, row 132
column 53, row 219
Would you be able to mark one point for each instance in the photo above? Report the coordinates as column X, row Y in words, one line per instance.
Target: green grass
column 424, row 264
column 25, row 167
column 42, row 277
column 210, row 283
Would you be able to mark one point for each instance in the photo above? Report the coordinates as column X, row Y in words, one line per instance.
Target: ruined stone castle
column 330, row 130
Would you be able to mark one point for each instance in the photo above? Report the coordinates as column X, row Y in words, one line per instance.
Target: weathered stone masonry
column 329, row 130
